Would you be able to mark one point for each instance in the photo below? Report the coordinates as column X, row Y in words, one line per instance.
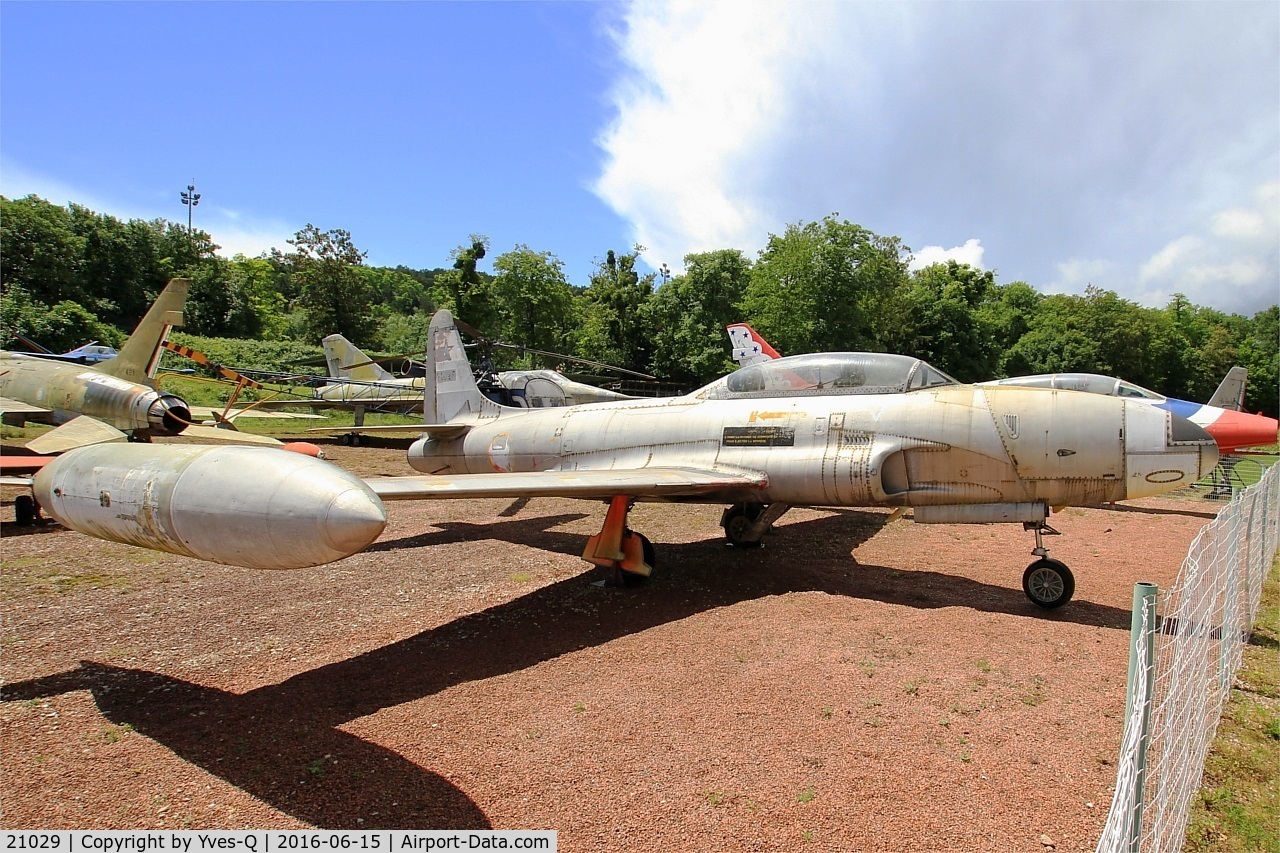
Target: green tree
column 686, row 318
column 332, row 295
column 611, row 312
column 41, row 253
column 945, row 325
column 533, row 302
column 826, row 286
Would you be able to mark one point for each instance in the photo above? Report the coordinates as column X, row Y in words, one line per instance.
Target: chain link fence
column 1184, row 663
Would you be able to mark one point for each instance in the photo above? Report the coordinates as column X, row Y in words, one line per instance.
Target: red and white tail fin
column 748, row 346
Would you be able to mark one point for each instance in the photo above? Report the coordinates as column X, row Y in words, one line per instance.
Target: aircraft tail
column 451, row 390
column 748, row 346
column 1230, row 394
column 139, row 358
column 347, row 361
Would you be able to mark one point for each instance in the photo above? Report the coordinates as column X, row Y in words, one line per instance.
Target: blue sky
column 1134, row 146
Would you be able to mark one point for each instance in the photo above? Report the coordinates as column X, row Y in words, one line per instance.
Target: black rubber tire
column 737, row 521
column 1048, row 583
column 24, row 510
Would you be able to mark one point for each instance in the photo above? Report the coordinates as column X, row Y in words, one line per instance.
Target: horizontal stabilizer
column 77, row 432
column 207, row 433
column 640, row 482
column 10, row 405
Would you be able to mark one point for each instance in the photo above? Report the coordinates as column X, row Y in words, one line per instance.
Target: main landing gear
column 1047, row 582
column 746, row 524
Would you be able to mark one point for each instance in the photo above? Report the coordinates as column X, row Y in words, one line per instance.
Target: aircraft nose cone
column 1234, row 430
column 354, row 519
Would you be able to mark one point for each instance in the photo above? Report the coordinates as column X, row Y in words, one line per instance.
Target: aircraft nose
column 1233, row 430
column 355, row 518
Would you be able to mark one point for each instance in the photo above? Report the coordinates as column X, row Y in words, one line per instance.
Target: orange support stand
column 615, row 546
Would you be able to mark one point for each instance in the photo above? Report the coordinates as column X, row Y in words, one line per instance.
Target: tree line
column 70, row 275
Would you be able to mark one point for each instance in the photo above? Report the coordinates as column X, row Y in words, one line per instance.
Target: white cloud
column 1232, row 262
column 970, row 253
column 1078, row 139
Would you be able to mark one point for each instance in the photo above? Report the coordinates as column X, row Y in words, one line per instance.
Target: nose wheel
column 1047, row 582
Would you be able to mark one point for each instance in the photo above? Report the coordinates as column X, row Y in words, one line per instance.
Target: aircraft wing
column 8, row 404
column 639, row 482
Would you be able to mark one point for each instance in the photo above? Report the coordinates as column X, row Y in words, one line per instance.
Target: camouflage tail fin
column 1230, row 394
column 347, row 361
column 451, row 393
column 140, row 356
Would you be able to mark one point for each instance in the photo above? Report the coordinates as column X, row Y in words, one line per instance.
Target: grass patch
column 1238, row 807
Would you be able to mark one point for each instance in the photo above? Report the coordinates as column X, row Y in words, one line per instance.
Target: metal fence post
column 1142, row 647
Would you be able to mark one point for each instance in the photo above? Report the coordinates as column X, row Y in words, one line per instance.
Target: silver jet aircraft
column 104, row 402
column 833, row 429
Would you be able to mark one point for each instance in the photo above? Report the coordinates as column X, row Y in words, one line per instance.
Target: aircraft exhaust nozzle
column 168, row 415
column 247, row 506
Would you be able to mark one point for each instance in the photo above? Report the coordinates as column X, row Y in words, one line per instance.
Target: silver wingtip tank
column 256, row 507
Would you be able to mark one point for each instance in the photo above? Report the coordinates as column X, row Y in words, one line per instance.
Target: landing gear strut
column 628, row 554
column 746, row 524
column 1047, row 582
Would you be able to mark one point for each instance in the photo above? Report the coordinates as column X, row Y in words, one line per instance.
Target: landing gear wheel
column 737, row 522
column 650, row 553
column 1048, row 583
column 25, row 510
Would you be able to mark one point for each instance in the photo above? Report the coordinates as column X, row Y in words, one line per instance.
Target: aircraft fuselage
column 940, row 446
column 70, row 390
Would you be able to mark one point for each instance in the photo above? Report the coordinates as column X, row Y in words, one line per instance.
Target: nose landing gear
column 1047, row 582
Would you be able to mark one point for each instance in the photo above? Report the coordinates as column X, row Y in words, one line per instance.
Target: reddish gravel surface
column 857, row 684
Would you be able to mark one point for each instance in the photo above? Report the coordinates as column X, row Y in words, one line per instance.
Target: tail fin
column 140, row 356
column 451, row 392
column 748, row 346
column 1230, row 394
column 347, row 361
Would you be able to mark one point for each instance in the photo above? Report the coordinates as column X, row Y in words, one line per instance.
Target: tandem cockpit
column 828, row 373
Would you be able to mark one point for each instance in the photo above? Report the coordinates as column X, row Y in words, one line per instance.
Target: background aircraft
column 110, row 401
column 360, row 382
column 1222, row 417
column 91, row 353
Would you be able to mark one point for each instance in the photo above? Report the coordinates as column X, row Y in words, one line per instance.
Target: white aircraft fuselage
column 941, row 446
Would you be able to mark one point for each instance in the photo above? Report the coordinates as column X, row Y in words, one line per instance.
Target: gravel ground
column 857, row 684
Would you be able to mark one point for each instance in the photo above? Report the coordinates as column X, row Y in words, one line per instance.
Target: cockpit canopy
column 1092, row 383
column 828, row 373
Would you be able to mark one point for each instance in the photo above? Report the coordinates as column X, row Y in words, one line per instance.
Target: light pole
column 190, row 198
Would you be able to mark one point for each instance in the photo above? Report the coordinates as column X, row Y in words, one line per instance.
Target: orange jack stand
column 615, row 546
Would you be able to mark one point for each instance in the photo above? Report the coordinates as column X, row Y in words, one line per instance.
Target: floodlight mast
column 190, row 198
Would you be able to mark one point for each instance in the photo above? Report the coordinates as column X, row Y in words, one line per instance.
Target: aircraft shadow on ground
column 281, row 742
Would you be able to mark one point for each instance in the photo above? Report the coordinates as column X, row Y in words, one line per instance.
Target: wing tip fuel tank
column 255, row 507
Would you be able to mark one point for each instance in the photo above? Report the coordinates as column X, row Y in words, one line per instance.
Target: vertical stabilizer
column 748, row 346
column 140, row 356
column 451, row 392
column 1230, row 394
column 347, row 361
